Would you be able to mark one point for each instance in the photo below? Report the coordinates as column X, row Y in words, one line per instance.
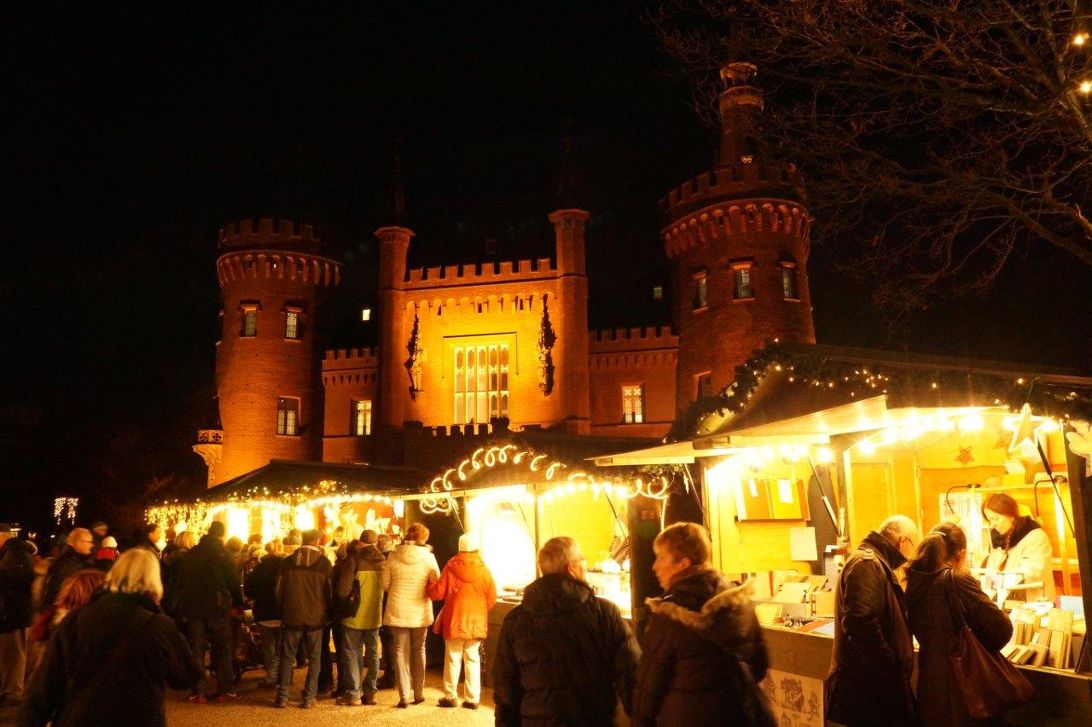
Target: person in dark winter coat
column 303, row 591
column 261, row 588
column 74, row 556
column 16, row 578
column 110, row 662
column 869, row 680
column 703, row 653
column 208, row 590
column 171, row 567
column 565, row 656
column 937, row 576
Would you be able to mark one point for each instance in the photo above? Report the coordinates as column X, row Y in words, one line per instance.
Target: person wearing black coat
column 702, row 654
column 565, row 656
column 16, row 578
column 110, row 662
column 873, row 657
column 74, row 556
column 208, row 588
column 261, row 588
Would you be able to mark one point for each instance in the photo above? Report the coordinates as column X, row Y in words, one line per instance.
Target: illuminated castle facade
column 466, row 349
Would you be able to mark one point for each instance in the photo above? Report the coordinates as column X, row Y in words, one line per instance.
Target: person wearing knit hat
column 106, row 554
column 467, row 589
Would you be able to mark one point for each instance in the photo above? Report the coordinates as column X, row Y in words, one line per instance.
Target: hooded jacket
column 928, row 595
column 366, row 569
column 406, row 576
column 564, row 657
column 466, row 587
column 869, row 680
column 303, row 589
column 699, row 634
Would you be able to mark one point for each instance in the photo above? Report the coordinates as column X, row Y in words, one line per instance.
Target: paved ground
column 254, row 708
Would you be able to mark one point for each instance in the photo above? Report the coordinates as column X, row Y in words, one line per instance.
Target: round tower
column 738, row 240
column 273, row 280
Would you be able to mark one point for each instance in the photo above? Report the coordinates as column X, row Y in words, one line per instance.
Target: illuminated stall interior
column 514, row 500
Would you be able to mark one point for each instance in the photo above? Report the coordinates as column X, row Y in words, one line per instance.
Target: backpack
column 346, row 606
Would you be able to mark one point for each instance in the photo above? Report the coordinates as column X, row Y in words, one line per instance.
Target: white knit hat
column 468, row 543
column 109, row 542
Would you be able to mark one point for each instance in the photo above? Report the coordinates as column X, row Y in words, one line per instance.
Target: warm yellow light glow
column 1079, row 39
column 889, row 436
column 1085, row 87
column 824, row 455
column 1048, row 425
column 304, row 518
column 238, row 522
column 399, row 508
column 867, row 447
column 970, row 423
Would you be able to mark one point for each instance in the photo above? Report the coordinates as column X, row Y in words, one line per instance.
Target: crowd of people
column 564, row 656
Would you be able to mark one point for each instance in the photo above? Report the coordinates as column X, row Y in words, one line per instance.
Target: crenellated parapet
column 481, row 273
column 635, row 360
column 734, row 181
column 266, row 232
column 724, row 221
column 632, row 339
column 277, row 265
column 466, row 306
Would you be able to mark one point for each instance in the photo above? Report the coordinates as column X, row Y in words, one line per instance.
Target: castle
column 464, row 349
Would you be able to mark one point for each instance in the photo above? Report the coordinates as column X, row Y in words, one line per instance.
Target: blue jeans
column 351, row 661
column 271, row 651
column 290, row 641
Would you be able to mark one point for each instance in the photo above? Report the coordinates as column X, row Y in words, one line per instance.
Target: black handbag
column 988, row 682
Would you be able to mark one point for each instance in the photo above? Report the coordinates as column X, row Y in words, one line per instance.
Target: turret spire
column 740, row 106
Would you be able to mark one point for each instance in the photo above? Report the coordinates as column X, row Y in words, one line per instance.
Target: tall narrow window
column 292, row 324
column 250, row 322
column 633, row 407
column 657, row 292
column 703, row 385
column 789, row 288
column 362, row 418
column 481, row 382
column 288, row 415
column 701, row 291
column 743, row 287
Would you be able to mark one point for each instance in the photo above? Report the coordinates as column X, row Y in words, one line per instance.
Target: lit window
column 292, row 324
column 743, row 288
column 703, row 384
column 701, row 291
column 481, row 382
column 250, row 322
column 633, row 411
column 288, row 415
column 789, row 287
column 362, row 418
column 657, row 292
column 365, row 314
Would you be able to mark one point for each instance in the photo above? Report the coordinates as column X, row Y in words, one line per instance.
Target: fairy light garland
column 64, row 508
column 1055, row 400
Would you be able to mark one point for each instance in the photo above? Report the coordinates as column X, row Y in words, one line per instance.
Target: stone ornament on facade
column 546, row 340
column 413, row 348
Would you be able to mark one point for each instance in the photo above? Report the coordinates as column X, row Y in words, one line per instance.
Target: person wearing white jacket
column 407, row 575
column 1020, row 545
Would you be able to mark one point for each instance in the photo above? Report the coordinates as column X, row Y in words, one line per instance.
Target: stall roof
column 281, row 476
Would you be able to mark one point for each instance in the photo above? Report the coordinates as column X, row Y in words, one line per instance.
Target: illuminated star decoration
column 965, row 457
column 1023, row 443
column 1080, row 443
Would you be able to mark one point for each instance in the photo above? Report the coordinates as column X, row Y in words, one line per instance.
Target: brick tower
column 273, row 280
column 738, row 240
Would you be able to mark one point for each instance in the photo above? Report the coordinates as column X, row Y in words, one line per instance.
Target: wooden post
column 1080, row 497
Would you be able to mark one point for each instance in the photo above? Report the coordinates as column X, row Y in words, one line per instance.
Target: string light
column 64, row 508
column 1079, row 39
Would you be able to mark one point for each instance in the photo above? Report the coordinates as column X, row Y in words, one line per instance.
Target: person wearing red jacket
column 467, row 589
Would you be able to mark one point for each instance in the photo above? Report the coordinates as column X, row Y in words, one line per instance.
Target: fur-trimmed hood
column 724, row 614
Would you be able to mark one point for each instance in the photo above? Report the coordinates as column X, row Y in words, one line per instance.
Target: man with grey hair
column 869, row 680
column 565, row 656
column 75, row 556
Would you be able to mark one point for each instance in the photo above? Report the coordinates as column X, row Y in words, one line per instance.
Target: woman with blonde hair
column 111, row 661
column 76, row 591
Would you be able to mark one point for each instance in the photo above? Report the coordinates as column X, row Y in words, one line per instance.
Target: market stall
column 809, row 450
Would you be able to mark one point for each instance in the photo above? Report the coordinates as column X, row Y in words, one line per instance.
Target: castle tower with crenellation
column 273, row 279
column 738, row 240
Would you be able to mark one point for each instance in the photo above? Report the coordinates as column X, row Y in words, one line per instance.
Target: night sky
column 131, row 135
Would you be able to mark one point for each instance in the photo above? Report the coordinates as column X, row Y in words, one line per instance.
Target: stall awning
column 285, row 476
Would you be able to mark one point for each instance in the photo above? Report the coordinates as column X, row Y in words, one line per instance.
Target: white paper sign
column 796, row 701
column 802, row 544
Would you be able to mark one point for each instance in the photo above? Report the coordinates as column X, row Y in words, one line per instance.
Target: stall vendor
column 1019, row 545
